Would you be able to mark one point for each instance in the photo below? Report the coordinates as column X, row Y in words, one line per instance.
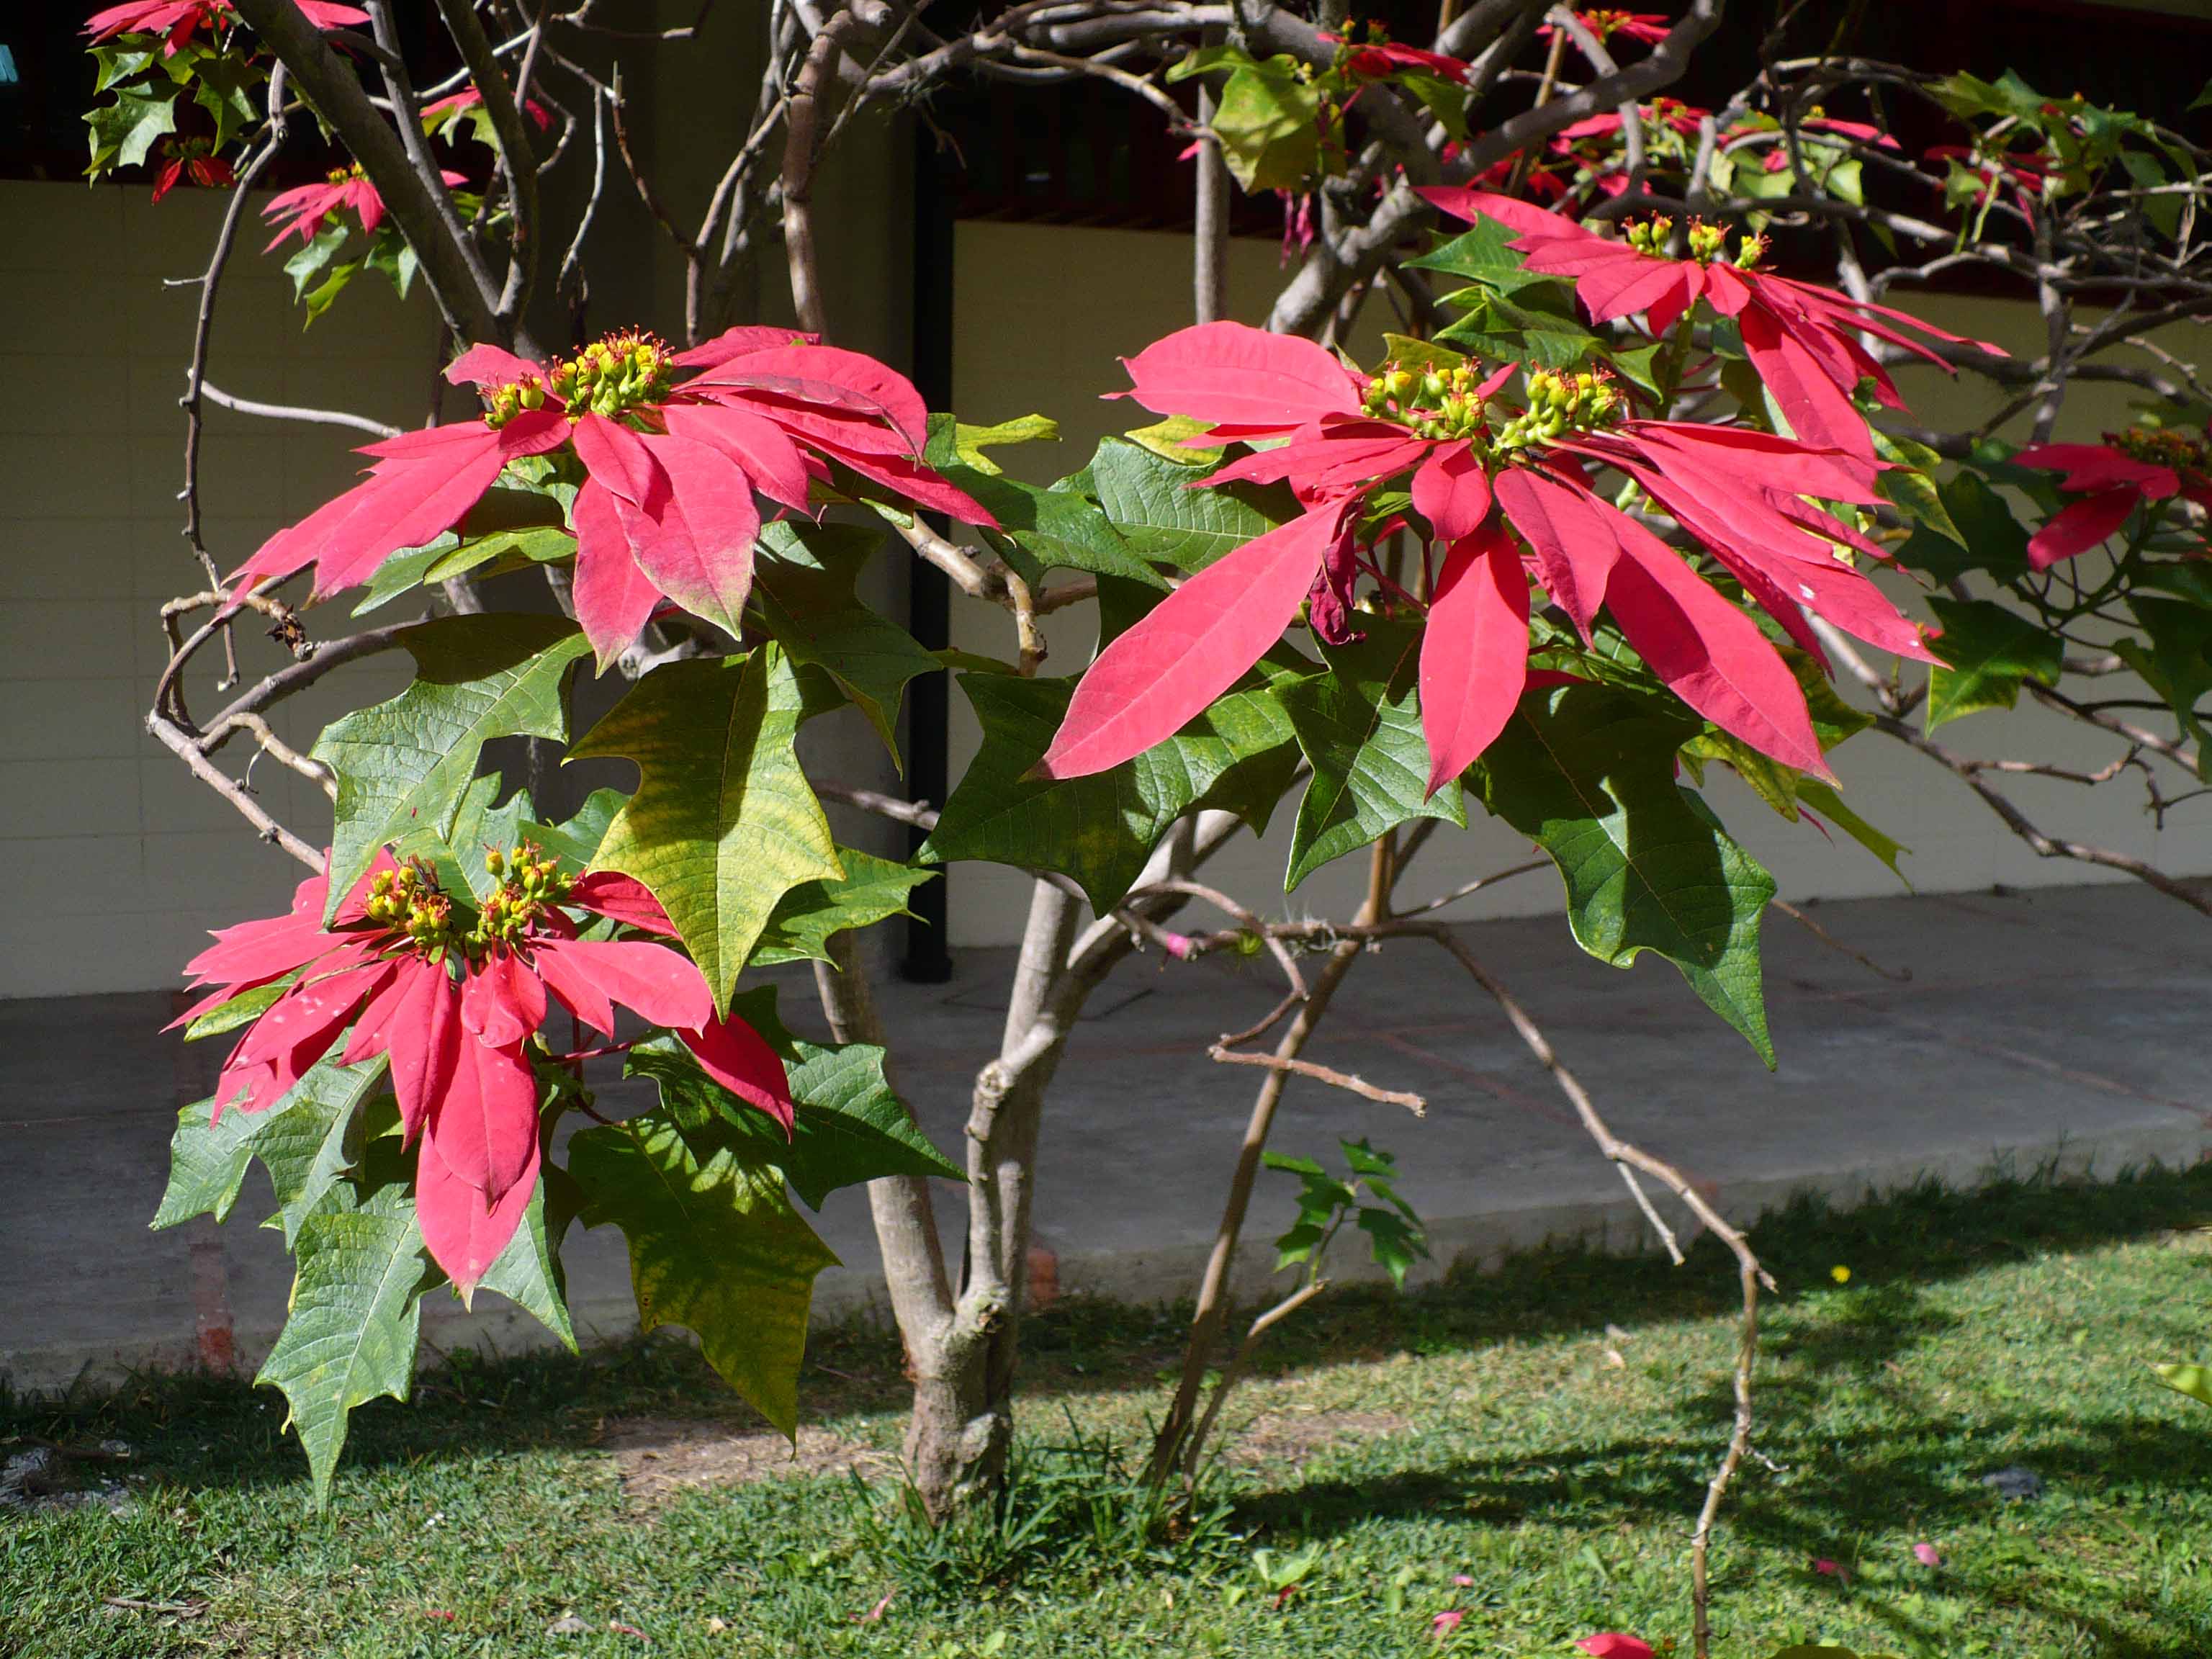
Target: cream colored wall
column 119, row 861
column 1041, row 313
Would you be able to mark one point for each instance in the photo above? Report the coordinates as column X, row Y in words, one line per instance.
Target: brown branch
column 1319, row 1073
column 2043, row 845
column 515, row 152
column 1627, row 1156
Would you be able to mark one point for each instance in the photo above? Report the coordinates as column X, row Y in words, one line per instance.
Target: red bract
column 1648, row 27
column 2111, row 477
column 1378, row 58
column 190, row 160
column 1661, row 112
column 670, row 471
column 1742, row 494
column 468, row 97
column 306, row 208
column 1611, row 1645
column 1802, row 339
column 1778, row 158
column 451, row 996
column 179, row 20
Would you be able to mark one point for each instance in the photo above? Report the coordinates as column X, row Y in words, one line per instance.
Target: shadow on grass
column 205, row 1430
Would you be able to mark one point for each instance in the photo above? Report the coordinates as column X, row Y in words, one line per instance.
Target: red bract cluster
column 2111, row 477
column 191, row 159
column 1801, row 339
column 453, row 994
column 303, row 211
column 669, row 471
column 179, row 20
column 1747, row 495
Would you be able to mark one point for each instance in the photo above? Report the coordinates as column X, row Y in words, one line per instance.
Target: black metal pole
column 929, row 601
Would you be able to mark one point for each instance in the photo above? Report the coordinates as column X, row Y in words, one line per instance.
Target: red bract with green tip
column 452, row 992
column 670, row 470
column 1463, row 452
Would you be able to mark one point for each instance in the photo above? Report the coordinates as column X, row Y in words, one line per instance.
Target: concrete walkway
column 2065, row 1022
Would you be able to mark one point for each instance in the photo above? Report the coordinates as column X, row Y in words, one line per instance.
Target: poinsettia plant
column 1625, row 488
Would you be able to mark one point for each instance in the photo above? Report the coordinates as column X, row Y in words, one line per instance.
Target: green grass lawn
column 1543, row 1433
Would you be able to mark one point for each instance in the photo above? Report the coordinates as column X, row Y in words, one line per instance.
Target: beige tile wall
column 120, row 859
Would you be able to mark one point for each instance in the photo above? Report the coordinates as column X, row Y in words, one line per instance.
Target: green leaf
column 122, row 132
column 1587, row 772
column 724, row 823
column 1146, row 497
column 1268, row 120
column 714, row 1245
column 224, row 86
column 1820, row 798
column 1771, row 781
column 505, row 550
column 1169, row 440
column 2194, row 1381
column 871, row 890
column 1361, row 727
column 326, row 294
column 121, row 56
column 811, row 609
column 1054, row 526
column 968, row 442
column 405, row 764
column 402, row 573
column 314, row 257
column 1099, row 829
column 353, row 1324
column 1483, row 255
column 1496, row 326
column 1420, row 355
column 1987, row 651
column 2177, row 664
column 309, row 1140
column 527, row 1272
column 1911, row 486
column 207, row 1164
column 1990, row 538
column 242, row 1010
column 849, row 1126
column 578, row 837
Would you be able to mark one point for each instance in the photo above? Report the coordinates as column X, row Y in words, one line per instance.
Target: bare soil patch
column 660, row 1457
column 1292, row 1436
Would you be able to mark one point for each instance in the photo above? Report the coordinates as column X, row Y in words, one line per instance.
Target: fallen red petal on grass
column 620, row 1629
column 440, row 1613
column 1927, row 1555
column 1828, row 1569
column 1462, row 1579
column 1611, row 1645
column 1445, row 1623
